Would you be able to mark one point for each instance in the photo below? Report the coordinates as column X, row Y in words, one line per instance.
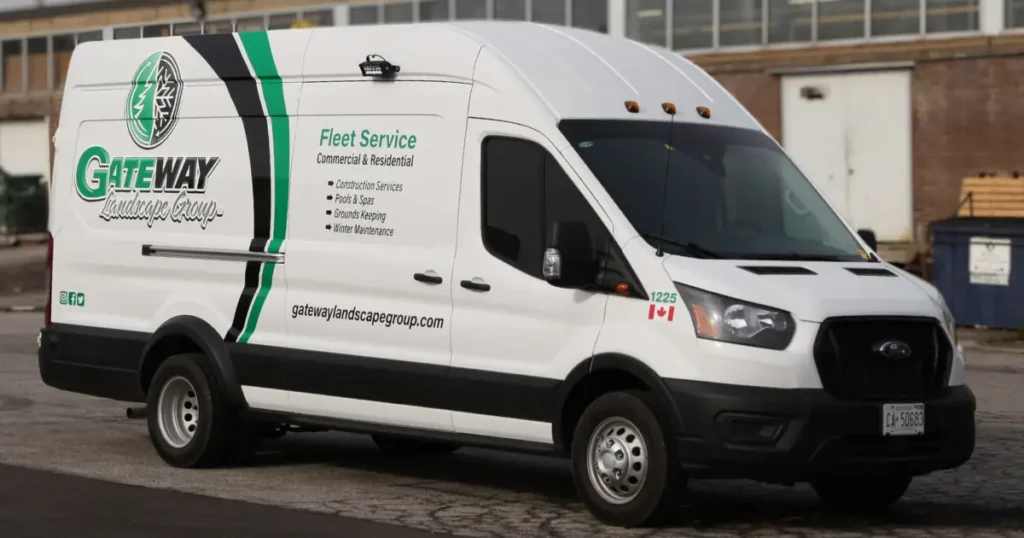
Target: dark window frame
column 483, row 198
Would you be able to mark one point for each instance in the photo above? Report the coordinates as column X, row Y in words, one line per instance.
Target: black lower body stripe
column 224, row 56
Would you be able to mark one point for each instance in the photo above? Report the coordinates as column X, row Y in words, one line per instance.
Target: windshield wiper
column 691, row 248
column 795, row 256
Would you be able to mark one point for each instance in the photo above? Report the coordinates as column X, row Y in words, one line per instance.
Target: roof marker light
column 379, row 67
column 632, row 106
column 704, row 112
column 669, row 108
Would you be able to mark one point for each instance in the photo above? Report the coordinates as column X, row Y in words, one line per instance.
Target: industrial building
column 886, row 104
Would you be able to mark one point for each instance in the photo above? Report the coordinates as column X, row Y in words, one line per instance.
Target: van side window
column 525, row 191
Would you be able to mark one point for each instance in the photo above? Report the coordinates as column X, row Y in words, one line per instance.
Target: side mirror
column 869, row 237
column 569, row 260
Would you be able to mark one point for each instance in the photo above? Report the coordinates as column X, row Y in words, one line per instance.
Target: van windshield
column 730, row 192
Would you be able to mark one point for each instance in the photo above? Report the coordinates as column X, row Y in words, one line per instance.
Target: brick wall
column 967, row 111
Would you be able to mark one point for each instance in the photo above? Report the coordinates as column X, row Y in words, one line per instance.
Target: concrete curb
column 20, row 309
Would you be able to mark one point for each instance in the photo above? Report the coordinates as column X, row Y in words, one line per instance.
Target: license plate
column 903, row 419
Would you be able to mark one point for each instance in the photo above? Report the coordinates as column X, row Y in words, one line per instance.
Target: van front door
column 515, row 336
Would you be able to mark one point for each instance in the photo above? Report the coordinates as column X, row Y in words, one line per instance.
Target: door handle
column 476, row 285
column 429, row 277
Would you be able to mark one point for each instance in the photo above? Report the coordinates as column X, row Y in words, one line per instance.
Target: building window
column 188, row 28
column 645, row 21
column 1014, row 13
column 789, row 22
column 250, row 24
column 38, row 64
column 63, row 46
column 471, row 9
column 951, row 15
column 281, row 21
column 549, row 11
column 156, row 30
column 95, row 35
column 692, row 24
column 218, row 27
column 12, row 63
column 741, row 22
column 364, row 15
column 434, row 10
column 510, row 10
column 324, row 17
column 591, row 14
column 398, row 12
column 841, row 19
column 895, row 17
column 131, row 32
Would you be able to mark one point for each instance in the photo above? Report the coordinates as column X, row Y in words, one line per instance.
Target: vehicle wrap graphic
column 372, row 317
column 143, row 186
column 151, row 110
column 265, row 121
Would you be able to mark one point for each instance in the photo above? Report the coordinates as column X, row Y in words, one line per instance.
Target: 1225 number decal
column 664, row 297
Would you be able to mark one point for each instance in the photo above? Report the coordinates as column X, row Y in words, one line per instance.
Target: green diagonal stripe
column 257, row 48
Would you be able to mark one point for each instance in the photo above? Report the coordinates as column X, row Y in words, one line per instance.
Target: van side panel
column 184, row 193
column 177, row 176
column 371, row 242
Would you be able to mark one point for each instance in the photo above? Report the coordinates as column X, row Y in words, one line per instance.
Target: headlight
column 721, row 318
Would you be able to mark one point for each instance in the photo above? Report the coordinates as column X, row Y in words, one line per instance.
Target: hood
column 810, row 291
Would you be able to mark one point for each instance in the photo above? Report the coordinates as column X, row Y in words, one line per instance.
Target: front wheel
column 861, row 494
column 625, row 468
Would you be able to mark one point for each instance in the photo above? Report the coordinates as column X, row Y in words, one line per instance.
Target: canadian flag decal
column 659, row 311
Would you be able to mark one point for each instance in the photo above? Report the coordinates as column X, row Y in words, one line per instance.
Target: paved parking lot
column 474, row 492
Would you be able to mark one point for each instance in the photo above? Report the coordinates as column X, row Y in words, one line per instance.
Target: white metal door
column 851, row 134
column 814, row 132
column 879, row 154
column 25, row 147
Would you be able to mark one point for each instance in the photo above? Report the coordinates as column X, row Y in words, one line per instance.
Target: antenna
column 669, row 109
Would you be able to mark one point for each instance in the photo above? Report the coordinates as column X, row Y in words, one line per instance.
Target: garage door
column 851, row 134
column 25, row 147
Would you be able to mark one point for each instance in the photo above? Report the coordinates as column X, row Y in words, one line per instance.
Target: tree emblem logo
column 151, row 110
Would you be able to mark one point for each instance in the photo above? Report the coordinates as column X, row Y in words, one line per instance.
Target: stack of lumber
column 989, row 196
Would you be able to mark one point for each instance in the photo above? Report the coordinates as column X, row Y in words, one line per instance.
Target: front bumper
column 793, row 435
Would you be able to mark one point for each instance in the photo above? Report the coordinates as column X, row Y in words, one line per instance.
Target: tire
column 212, row 435
column 861, row 494
column 647, row 461
column 407, row 446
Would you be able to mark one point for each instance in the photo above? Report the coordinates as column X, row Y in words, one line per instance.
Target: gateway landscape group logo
column 151, row 110
column 150, row 188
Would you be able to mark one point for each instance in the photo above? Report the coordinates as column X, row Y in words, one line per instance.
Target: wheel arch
column 189, row 334
column 603, row 373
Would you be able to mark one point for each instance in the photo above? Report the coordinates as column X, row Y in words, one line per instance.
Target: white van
column 488, row 234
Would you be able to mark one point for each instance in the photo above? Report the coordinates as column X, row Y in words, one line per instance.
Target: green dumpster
column 24, row 205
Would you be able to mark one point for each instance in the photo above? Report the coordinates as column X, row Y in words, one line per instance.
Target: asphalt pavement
column 41, row 504
column 306, row 478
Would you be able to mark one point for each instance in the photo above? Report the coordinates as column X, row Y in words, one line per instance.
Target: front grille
column 852, row 369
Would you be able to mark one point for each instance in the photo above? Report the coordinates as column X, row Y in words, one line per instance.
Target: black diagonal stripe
column 221, row 52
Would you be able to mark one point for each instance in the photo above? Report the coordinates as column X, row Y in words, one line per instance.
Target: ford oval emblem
column 893, row 349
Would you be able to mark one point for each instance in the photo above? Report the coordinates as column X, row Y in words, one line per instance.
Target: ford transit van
column 489, row 234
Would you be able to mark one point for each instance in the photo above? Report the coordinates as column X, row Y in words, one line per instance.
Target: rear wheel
column 861, row 494
column 408, row 446
column 189, row 423
column 625, row 468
